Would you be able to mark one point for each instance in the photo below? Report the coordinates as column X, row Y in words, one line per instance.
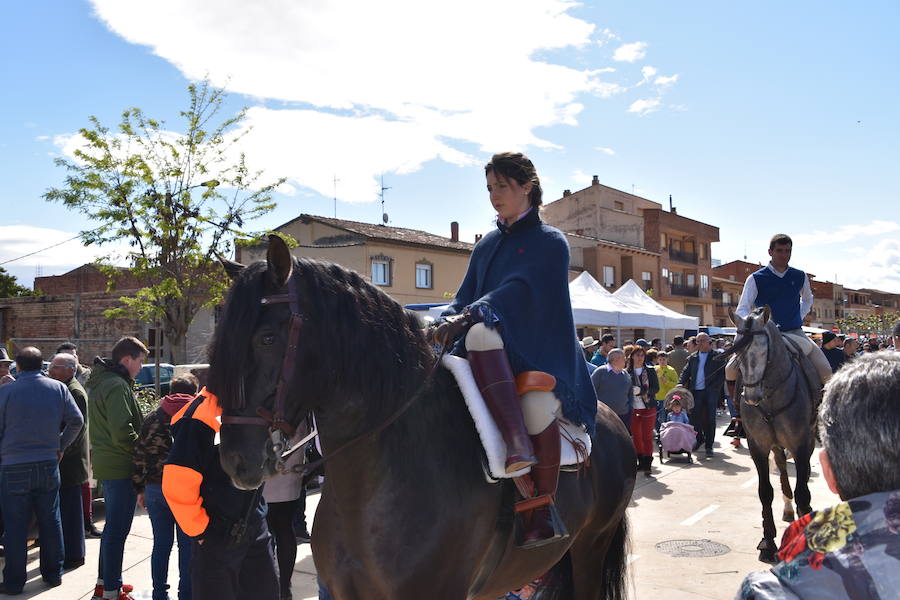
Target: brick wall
column 86, row 278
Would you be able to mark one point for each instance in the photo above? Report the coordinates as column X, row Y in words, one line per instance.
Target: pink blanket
column 674, row 437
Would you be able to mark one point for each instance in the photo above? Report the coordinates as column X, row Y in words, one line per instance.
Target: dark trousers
column 86, row 501
column 280, row 521
column 626, row 418
column 72, row 517
column 25, row 488
column 703, row 416
column 244, row 571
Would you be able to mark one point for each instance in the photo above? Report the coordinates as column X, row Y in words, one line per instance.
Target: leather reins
column 280, row 429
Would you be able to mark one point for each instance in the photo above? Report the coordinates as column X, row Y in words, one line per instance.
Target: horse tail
column 613, row 580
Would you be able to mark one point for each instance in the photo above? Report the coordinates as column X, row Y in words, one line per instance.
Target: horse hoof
column 788, row 517
column 768, row 557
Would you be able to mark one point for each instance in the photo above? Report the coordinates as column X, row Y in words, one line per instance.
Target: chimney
column 672, row 206
column 477, row 237
column 567, row 193
column 454, row 231
column 595, row 180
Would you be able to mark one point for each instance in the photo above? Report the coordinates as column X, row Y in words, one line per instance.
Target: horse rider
column 512, row 315
column 787, row 292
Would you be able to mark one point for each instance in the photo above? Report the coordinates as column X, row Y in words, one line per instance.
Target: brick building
column 71, row 308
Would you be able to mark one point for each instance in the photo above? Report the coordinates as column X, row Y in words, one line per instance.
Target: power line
column 5, row 262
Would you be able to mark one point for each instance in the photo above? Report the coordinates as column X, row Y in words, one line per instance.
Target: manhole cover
column 692, row 548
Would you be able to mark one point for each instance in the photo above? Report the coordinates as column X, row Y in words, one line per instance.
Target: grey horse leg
column 766, row 547
column 781, row 462
column 802, row 494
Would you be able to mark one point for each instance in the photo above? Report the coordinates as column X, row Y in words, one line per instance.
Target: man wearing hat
column 589, row 344
column 831, row 348
column 5, row 361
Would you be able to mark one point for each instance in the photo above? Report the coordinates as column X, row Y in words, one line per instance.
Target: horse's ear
column 233, row 269
column 767, row 312
column 279, row 260
column 734, row 318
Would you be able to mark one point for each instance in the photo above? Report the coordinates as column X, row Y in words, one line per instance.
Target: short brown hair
column 780, row 239
column 185, row 384
column 128, row 346
column 652, row 353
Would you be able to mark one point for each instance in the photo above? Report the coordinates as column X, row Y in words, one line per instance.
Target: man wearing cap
column 831, row 348
column 5, row 362
column 589, row 344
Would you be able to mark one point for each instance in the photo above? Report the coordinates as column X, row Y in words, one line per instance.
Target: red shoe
column 736, row 442
column 98, row 592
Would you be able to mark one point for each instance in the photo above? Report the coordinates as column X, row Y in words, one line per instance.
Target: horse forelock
column 229, row 348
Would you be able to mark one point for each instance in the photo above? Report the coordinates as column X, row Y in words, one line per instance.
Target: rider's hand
column 449, row 330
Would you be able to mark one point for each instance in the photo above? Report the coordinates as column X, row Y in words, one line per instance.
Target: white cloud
column 383, row 88
column 630, row 52
column 42, row 138
column 645, row 106
column 876, row 267
column 663, row 81
column 18, row 240
column 840, row 235
column 605, row 36
column 647, row 72
column 605, row 150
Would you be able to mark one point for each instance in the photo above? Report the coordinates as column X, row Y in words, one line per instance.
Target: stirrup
column 559, row 528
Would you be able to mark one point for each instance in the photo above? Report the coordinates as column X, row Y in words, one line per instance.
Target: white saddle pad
column 494, row 447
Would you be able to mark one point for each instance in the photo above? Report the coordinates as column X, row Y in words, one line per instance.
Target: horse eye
column 268, row 340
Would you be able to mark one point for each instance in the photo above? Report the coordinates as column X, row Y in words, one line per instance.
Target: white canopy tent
column 593, row 305
column 631, row 294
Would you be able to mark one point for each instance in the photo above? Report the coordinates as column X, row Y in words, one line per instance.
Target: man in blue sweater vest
column 787, row 292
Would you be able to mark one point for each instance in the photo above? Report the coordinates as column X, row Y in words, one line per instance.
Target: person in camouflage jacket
column 150, row 455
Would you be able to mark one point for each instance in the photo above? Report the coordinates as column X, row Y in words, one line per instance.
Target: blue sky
column 757, row 117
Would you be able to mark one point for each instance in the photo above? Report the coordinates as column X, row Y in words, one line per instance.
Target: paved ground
column 711, row 500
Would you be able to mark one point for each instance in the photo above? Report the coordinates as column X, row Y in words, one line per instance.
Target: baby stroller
column 677, row 438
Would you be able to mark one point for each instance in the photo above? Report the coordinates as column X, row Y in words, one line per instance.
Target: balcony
column 682, row 256
column 685, row 290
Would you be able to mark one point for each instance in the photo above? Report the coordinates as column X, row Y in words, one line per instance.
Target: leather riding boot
column 498, row 387
column 545, row 525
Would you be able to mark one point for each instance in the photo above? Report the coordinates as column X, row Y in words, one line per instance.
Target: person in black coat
column 704, row 376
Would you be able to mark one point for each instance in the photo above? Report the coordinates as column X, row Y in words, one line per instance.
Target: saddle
column 576, row 443
column 800, row 350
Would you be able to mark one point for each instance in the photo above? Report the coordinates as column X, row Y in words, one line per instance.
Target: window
column 381, row 270
column 703, row 251
column 645, row 275
column 726, row 298
column 423, row 276
column 691, row 279
column 609, row 276
column 704, row 282
column 618, row 205
column 665, row 273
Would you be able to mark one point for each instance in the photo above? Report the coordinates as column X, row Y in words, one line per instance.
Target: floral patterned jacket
column 851, row 550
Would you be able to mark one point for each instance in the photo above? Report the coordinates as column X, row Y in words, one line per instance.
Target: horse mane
column 357, row 344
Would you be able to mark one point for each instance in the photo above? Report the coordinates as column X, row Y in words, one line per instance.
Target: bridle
column 768, row 415
column 280, row 429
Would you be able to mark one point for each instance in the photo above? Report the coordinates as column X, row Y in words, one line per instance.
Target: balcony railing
column 685, row 290
column 681, row 255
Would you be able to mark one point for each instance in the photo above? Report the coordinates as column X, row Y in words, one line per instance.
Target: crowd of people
column 59, row 427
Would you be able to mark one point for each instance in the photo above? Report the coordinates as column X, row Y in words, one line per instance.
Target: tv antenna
column 335, row 194
column 384, row 215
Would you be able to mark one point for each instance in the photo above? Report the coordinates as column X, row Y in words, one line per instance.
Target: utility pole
column 335, row 194
column 384, row 216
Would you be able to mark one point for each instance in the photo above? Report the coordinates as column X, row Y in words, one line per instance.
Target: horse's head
column 333, row 339
column 752, row 345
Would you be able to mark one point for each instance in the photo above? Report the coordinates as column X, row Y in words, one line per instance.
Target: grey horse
column 779, row 399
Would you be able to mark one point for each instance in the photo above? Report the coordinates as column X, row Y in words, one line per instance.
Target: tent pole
column 618, row 337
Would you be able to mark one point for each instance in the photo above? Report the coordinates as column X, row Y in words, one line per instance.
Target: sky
column 759, row 118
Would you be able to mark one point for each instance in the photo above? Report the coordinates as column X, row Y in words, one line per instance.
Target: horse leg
column 766, row 546
column 781, row 462
column 802, row 494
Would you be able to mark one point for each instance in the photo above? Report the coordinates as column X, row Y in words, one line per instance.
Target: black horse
column 778, row 410
column 406, row 512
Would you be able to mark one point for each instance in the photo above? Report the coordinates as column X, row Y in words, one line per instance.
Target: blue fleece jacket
column 518, row 281
column 33, row 410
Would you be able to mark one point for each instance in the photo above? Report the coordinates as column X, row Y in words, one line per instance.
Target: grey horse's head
column 754, row 356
